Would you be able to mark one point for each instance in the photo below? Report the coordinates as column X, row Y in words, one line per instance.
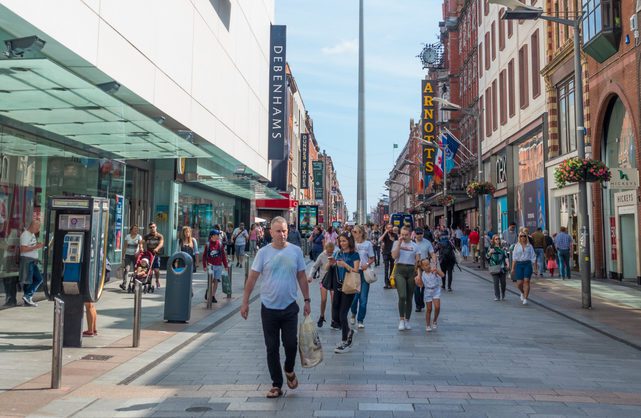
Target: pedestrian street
column 487, row 358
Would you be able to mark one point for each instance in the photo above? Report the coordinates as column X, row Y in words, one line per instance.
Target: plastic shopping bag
column 309, row 345
column 226, row 279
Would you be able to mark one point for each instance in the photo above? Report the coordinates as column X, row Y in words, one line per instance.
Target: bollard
column 137, row 312
column 56, row 352
column 246, row 271
column 229, row 270
column 208, row 292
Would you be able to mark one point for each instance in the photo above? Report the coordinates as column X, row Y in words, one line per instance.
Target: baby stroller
column 143, row 272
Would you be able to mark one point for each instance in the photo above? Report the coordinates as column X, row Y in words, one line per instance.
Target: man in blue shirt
column 281, row 265
column 564, row 243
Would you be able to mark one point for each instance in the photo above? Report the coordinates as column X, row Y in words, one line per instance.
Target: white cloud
column 344, row 47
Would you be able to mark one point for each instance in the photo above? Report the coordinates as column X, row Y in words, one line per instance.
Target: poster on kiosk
column 75, row 261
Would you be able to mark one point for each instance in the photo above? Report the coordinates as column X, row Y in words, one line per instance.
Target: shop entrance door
column 628, row 247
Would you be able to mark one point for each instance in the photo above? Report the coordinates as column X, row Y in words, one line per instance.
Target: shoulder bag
column 351, row 283
column 370, row 276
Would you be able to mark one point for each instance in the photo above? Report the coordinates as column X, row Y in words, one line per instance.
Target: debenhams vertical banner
column 277, row 93
column 428, row 128
column 304, row 161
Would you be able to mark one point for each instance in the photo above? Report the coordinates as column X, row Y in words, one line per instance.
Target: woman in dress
column 465, row 244
column 523, row 264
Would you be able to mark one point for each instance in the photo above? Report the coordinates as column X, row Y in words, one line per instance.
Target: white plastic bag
column 309, row 345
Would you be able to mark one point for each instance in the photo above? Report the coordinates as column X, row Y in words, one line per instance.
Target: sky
column 322, row 51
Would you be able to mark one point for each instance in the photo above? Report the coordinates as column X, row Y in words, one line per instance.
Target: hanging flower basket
column 446, row 200
column 577, row 169
column 476, row 188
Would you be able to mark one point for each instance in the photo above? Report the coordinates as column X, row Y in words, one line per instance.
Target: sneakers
column 522, row 298
column 407, row 325
column 352, row 319
column 319, row 324
column 342, row 348
column 350, row 338
column 434, row 326
column 428, row 328
column 496, row 299
column 503, row 296
column 335, row 326
column 401, row 325
column 122, row 286
column 29, row 301
column 524, row 301
column 361, row 325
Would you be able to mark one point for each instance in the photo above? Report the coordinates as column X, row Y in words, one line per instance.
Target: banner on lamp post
column 318, row 169
column 304, row 161
column 277, row 93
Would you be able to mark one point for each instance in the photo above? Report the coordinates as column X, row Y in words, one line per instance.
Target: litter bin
column 178, row 288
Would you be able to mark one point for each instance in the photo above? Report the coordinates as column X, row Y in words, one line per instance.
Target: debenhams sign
column 277, row 93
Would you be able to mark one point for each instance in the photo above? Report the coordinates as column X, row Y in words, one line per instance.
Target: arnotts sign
column 428, row 127
column 277, row 92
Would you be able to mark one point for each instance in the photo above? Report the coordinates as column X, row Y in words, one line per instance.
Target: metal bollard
column 56, row 352
column 208, row 292
column 246, row 271
column 137, row 312
column 230, row 278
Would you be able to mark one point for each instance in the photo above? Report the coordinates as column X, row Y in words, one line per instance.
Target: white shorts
column 215, row 271
column 431, row 294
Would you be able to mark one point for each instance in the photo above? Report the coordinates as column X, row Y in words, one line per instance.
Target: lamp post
column 449, row 106
column 361, row 182
column 517, row 10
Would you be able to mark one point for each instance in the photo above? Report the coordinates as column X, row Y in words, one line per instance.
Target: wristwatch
column 308, row 300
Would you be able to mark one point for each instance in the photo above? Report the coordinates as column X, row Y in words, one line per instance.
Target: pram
column 143, row 272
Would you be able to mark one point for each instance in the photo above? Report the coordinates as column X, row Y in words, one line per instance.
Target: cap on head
column 419, row 231
column 214, row 232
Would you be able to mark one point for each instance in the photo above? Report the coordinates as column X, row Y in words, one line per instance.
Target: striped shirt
column 524, row 254
column 563, row 241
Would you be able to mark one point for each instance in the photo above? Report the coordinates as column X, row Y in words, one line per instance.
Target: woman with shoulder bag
column 496, row 257
column 365, row 251
column 523, row 264
column 322, row 264
column 348, row 261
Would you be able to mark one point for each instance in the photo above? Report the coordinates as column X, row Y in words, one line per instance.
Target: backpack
column 446, row 253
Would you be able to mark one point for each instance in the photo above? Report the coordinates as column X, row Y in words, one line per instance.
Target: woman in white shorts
column 429, row 276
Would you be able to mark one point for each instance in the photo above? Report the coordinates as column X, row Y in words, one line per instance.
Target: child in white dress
column 429, row 276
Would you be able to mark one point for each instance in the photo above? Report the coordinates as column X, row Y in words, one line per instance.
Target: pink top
column 252, row 235
column 331, row 237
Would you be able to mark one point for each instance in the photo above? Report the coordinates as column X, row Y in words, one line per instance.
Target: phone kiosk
column 77, row 229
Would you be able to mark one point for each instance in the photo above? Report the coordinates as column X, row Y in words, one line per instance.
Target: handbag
column 495, row 269
column 392, row 277
column 351, row 283
column 459, row 257
column 370, row 276
column 329, row 278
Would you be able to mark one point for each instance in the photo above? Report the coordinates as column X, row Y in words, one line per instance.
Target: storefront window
column 530, row 184
column 201, row 210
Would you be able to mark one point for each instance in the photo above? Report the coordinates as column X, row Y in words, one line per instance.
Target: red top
column 474, row 238
column 214, row 254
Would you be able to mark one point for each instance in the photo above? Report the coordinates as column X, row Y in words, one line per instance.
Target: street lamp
column 449, row 106
column 517, row 10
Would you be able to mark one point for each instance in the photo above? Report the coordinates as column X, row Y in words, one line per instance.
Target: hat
column 419, row 231
column 214, row 232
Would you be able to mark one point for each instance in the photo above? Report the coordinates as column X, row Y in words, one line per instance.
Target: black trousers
column 449, row 274
column 377, row 255
column 340, row 307
column 11, row 290
column 388, row 261
column 499, row 284
column 419, row 297
column 280, row 324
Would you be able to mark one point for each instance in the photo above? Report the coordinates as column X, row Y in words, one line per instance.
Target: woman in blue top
column 523, row 264
column 317, row 240
column 347, row 260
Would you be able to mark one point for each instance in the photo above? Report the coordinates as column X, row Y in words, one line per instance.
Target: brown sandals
column 274, row 393
column 292, row 381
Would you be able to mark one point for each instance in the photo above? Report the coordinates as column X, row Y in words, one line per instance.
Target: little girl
column 550, row 255
column 429, row 276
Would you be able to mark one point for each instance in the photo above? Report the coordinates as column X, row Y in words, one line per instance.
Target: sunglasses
column 522, row 236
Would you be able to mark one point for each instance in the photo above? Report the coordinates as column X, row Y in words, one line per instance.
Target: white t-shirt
column 279, row 269
column 132, row 244
column 28, row 239
column 425, row 248
column 408, row 252
column 365, row 250
column 241, row 237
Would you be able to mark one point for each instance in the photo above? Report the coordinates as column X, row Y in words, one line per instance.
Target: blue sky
column 322, row 50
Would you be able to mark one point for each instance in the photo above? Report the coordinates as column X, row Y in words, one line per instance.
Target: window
column 510, row 29
column 495, row 119
column 480, row 54
column 486, row 8
column 493, row 40
column 567, row 115
column 501, row 31
column 488, row 112
column 601, row 21
column 524, row 85
column 503, row 97
column 511, row 88
column 487, row 50
column 536, row 66
column 557, row 27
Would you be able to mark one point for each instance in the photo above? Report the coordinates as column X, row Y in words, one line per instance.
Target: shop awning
column 41, row 93
column 244, row 186
column 283, row 203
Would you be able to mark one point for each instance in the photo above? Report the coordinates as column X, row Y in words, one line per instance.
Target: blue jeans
column 36, row 281
column 361, row 298
column 564, row 263
column 540, row 259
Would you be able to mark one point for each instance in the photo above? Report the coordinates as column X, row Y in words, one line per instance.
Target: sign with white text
column 277, row 93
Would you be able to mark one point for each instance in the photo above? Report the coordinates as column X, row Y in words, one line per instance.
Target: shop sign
column 613, row 238
column 120, row 202
column 318, row 168
column 304, row 161
column 624, row 178
column 428, row 127
column 501, row 169
column 277, row 93
column 625, row 198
